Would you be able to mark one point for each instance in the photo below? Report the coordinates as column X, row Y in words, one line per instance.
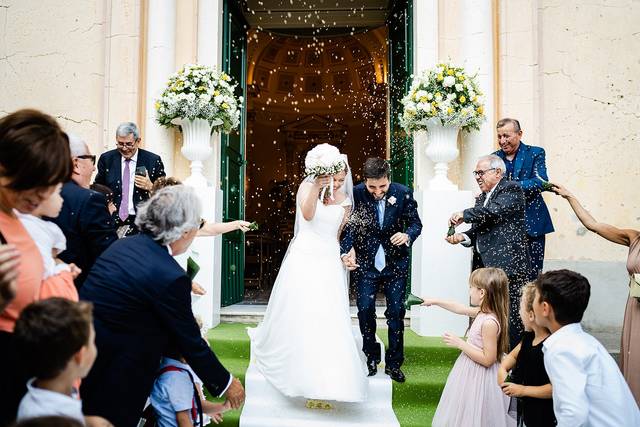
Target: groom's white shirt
column 467, row 241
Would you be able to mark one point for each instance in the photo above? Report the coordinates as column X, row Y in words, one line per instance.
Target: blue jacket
column 364, row 234
column 141, row 307
column 87, row 225
column 529, row 169
column 110, row 174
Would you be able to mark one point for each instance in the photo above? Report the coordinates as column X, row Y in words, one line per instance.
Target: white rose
column 451, row 96
column 429, row 96
column 218, row 99
column 420, row 94
column 449, row 81
column 438, row 97
column 422, row 106
column 322, row 155
column 459, row 87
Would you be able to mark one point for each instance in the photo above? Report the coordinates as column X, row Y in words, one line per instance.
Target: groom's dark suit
column 364, row 234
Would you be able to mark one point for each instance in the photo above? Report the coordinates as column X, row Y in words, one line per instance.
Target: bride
column 305, row 345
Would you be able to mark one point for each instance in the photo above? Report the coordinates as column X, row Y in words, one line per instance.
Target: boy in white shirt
column 55, row 338
column 588, row 388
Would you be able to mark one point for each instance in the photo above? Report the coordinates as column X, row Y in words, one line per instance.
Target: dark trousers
column 516, row 282
column 13, row 379
column 394, row 288
column 536, row 253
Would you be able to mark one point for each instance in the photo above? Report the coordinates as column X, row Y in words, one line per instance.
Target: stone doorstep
column 253, row 313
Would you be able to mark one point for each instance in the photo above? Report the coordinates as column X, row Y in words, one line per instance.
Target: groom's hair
column 376, row 168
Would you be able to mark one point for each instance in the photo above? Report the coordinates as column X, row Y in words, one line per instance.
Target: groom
column 375, row 246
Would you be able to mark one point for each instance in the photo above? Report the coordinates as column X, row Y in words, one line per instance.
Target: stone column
column 477, row 53
column 425, row 52
column 209, row 52
column 161, row 47
column 438, row 270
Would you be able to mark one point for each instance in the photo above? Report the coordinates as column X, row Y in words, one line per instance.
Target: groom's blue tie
column 379, row 262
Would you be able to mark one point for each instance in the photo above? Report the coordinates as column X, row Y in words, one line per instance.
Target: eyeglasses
column 480, row 174
column 127, row 144
column 202, row 223
column 88, row 157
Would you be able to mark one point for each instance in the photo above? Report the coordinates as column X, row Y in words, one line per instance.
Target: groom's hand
column 455, row 238
column 399, row 239
column 349, row 260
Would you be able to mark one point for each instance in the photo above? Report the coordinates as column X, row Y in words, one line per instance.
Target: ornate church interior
column 306, row 87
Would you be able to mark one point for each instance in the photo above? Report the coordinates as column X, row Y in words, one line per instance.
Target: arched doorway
column 326, row 78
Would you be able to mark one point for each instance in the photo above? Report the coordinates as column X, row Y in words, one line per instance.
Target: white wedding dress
column 305, row 345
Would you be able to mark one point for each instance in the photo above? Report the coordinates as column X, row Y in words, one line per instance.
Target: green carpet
column 427, row 364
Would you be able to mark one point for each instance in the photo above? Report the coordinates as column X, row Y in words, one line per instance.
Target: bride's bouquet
column 324, row 159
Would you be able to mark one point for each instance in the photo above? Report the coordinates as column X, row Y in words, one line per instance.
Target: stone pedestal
column 440, row 270
column 265, row 406
column 205, row 250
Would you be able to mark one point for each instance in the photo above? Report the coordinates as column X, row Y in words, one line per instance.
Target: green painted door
column 234, row 59
column 400, row 25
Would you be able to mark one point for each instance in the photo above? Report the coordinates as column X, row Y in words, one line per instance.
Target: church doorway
column 318, row 74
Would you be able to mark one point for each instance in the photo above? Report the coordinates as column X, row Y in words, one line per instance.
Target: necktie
column 379, row 261
column 123, row 213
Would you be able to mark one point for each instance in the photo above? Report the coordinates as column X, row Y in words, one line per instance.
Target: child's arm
column 486, row 356
column 508, row 362
column 214, row 410
column 519, row 390
column 569, row 379
column 183, row 418
column 452, row 306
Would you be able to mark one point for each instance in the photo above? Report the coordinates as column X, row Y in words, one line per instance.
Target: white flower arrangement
column 323, row 159
column 200, row 92
column 445, row 95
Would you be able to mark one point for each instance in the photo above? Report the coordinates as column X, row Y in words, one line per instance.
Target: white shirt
column 47, row 236
column 588, row 388
column 39, row 402
column 132, row 178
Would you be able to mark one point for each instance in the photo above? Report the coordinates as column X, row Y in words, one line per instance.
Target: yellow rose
column 449, row 110
column 216, row 92
column 450, row 72
column 157, row 105
column 423, row 99
column 462, row 99
column 480, row 110
column 440, row 77
column 225, row 105
column 461, row 78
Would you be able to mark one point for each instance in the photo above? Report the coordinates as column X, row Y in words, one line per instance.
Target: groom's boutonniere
column 392, row 200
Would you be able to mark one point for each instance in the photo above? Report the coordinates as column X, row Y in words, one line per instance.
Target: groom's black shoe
column 372, row 365
column 395, row 374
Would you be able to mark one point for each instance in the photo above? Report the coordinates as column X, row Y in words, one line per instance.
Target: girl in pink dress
column 471, row 396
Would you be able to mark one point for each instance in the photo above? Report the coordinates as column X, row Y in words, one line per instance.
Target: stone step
column 265, row 406
column 254, row 313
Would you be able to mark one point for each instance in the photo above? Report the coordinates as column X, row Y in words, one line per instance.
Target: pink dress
column 471, row 396
column 630, row 348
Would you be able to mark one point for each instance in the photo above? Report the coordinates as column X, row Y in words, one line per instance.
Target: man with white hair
column 129, row 171
column 84, row 218
column 498, row 235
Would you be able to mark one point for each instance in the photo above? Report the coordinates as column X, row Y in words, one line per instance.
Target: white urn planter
column 196, row 147
column 442, row 148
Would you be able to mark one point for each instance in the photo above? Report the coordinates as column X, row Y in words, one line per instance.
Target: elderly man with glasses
column 129, row 172
column 498, row 235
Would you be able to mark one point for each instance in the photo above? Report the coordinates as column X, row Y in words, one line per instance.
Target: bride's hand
column 322, row 181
